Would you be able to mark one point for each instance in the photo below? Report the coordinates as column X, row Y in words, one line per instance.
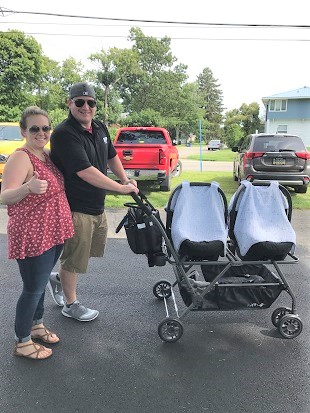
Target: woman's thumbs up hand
column 36, row 185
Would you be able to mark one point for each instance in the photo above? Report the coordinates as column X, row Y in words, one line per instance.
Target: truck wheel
column 301, row 189
column 177, row 170
column 165, row 186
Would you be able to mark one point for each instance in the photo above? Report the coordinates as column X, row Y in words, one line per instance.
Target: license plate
column 129, row 173
column 278, row 161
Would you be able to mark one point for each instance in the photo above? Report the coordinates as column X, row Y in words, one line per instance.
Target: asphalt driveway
column 225, row 362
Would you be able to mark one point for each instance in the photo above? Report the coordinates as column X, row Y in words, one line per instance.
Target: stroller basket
column 245, row 287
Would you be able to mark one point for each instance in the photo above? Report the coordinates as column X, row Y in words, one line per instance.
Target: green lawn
column 224, row 155
column 227, row 184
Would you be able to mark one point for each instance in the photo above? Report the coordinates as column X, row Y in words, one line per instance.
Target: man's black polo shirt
column 73, row 149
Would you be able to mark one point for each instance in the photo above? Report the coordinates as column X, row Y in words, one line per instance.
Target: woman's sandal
column 35, row 354
column 48, row 337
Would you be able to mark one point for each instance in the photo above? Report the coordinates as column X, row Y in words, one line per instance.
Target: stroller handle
column 139, row 198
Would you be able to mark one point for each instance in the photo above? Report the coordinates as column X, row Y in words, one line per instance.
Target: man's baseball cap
column 82, row 89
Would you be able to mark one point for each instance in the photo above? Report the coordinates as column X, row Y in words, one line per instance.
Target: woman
column 39, row 222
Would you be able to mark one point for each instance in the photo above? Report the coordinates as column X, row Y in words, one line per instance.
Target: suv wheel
column 301, row 189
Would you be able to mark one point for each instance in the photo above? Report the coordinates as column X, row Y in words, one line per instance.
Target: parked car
column 10, row 139
column 267, row 157
column 214, row 144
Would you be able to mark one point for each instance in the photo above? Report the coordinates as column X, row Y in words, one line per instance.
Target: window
column 136, row 137
column 278, row 143
column 278, row 105
column 10, row 133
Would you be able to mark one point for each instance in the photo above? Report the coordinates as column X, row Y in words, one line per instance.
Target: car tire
column 301, row 189
column 165, row 186
column 239, row 178
column 177, row 170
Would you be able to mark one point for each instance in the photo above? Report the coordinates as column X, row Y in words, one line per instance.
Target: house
column 289, row 112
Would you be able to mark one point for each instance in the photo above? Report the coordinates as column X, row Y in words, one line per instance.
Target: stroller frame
column 170, row 329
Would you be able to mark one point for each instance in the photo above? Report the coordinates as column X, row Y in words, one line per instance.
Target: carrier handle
column 121, row 224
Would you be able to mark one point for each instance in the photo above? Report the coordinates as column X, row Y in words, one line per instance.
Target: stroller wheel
column 162, row 289
column 170, row 330
column 290, row 326
column 279, row 313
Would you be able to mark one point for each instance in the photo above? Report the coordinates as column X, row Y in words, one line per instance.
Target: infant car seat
column 259, row 222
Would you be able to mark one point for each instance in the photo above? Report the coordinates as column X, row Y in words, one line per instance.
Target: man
column 82, row 149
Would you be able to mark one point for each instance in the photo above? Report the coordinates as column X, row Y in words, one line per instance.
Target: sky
column 248, row 62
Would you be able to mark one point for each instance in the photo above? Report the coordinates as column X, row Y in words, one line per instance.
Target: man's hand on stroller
column 131, row 181
column 130, row 187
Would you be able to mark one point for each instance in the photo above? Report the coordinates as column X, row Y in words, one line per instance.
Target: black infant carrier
column 223, row 257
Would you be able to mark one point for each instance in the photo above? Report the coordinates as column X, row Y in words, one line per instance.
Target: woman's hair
column 31, row 111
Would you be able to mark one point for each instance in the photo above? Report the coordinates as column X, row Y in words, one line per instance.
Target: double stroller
column 224, row 257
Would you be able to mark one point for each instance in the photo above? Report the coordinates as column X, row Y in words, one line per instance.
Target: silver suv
column 265, row 157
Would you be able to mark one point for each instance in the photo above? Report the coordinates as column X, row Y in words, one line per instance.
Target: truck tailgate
column 139, row 156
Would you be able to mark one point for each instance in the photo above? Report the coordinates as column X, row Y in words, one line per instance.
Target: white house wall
column 300, row 128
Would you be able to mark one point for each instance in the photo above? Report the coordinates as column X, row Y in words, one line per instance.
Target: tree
column 21, row 65
column 245, row 120
column 53, row 86
column 158, row 83
column 211, row 97
column 145, row 77
column 55, row 81
column 147, row 117
column 232, row 134
column 9, row 114
column 250, row 118
column 115, row 70
column 105, row 76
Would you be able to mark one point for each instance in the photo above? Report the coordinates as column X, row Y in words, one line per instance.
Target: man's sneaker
column 54, row 285
column 79, row 312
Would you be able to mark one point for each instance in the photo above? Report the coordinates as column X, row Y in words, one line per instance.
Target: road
column 192, row 165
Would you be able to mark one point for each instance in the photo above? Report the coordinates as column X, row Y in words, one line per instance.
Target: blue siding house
column 289, row 112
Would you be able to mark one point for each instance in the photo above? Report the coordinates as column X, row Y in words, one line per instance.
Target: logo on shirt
column 105, row 139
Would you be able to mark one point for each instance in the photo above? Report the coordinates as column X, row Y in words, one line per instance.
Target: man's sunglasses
column 81, row 102
column 36, row 129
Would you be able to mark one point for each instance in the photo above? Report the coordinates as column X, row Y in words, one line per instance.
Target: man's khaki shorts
column 89, row 240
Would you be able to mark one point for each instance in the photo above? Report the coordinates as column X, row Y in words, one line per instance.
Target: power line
column 104, row 25
column 4, row 11
column 172, row 38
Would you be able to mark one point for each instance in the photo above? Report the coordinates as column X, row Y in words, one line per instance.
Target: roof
column 301, row 93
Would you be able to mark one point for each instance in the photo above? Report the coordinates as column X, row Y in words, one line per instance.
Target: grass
column 224, row 155
column 228, row 185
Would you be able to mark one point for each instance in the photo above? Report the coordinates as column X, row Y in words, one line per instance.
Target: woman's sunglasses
column 36, row 129
column 81, row 102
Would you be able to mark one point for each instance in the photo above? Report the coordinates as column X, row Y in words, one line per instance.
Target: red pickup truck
column 147, row 153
